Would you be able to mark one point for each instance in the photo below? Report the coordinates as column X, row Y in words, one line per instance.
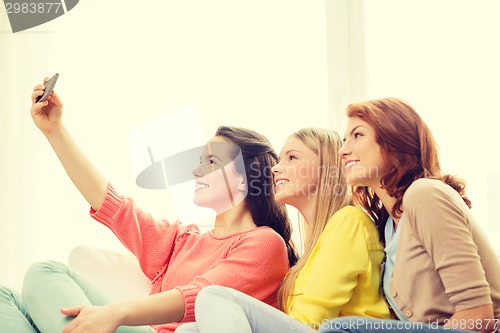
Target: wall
column 258, row 64
column 443, row 57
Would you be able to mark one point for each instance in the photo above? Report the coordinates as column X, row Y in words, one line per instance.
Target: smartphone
column 49, row 87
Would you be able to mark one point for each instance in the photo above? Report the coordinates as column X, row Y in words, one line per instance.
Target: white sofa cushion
column 114, row 271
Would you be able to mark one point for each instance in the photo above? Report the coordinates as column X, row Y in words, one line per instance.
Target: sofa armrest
column 115, row 272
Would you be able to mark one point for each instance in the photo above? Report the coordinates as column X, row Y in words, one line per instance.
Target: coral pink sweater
column 172, row 256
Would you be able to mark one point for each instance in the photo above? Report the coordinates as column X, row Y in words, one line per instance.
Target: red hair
column 410, row 149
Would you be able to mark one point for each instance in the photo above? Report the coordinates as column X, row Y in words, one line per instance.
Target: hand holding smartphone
column 49, row 87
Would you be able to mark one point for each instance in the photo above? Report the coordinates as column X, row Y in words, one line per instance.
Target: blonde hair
column 333, row 194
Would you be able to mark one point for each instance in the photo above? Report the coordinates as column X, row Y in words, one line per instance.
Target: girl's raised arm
column 47, row 116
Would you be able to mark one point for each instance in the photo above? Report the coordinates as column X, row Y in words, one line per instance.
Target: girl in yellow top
column 339, row 272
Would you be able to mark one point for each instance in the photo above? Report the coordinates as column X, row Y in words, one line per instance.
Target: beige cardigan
column 444, row 262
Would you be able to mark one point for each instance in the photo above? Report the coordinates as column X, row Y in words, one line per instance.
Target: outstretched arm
column 47, row 116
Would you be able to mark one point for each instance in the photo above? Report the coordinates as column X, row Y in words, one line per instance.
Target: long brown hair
column 333, row 194
column 410, row 149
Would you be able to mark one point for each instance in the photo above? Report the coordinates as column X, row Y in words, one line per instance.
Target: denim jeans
column 48, row 287
column 225, row 310
column 372, row 325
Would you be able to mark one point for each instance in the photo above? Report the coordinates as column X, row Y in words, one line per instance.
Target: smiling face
column 218, row 184
column 362, row 155
column 296, row 176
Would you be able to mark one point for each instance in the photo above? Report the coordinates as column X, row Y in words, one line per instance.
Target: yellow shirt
column 342, row 275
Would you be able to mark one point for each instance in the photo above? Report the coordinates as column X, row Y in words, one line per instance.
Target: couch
column 116, row 271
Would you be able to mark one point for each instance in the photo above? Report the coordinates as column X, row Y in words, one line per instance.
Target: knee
column 210, row 293
column 210, row 297
column 213, row 296
column 7, row 295
column 43, row 268
column 187, row 328
column 38, row 273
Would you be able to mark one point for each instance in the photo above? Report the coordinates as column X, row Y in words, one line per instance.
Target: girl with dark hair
column 258, row 159
column 251, row 235
column 339, row 272
column 441, row 273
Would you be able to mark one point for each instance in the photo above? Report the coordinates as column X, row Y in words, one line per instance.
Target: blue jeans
column 48, row 287
column 372, row 325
